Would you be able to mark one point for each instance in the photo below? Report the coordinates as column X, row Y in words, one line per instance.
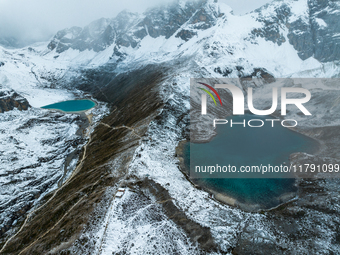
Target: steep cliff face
column 325, row 23
column 312, row 26
column 9, row 100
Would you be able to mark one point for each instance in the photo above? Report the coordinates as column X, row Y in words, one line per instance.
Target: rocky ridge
column 10, row 100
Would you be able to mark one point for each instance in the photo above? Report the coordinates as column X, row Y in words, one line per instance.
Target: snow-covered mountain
column 121, row 63
column 211, row 30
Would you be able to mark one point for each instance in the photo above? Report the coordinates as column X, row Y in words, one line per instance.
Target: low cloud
column 38, row 20
column 241, row 7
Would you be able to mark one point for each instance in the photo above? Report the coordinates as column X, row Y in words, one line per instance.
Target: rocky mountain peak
column 312, row 26
column 127, row 29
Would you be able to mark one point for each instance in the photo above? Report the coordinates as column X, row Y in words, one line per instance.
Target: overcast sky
column 38, row 20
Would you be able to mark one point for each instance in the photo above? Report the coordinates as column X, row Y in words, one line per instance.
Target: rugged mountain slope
column 140, row 66
column 304, row 23
column 10, row 100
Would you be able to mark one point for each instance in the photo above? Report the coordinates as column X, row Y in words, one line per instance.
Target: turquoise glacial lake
column 247, row 146
column 72, row 105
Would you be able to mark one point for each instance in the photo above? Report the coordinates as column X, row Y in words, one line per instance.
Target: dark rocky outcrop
column 10, row 100
column 325, row 23
column 225, row 72
column 314, row 33
column 271, row 29
column 185, row 34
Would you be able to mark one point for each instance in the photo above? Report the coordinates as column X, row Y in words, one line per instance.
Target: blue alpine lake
column 249, row 146
column 72, row 105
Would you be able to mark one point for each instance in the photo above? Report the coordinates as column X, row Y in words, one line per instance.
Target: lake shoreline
column 86, row 121
column 284, row 198
column 232, row 201
column 72, row 112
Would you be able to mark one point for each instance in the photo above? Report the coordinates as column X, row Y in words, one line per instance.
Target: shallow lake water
column 249, row 146
column 72, row 105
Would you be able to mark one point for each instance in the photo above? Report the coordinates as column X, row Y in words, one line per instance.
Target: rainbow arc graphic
column 209, row 93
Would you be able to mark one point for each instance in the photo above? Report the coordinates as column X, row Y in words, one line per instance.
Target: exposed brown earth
column 65, row 212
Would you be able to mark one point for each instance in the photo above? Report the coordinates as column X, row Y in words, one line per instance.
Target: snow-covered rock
column 286, row 38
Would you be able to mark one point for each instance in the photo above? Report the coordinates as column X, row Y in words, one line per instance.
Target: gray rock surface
column 10, row 100
column 314, row 33
column 127, row 29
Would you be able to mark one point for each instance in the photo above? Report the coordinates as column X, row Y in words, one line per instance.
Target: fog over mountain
column 25, row 22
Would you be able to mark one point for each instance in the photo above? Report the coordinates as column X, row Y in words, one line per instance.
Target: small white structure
column 120, row 192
